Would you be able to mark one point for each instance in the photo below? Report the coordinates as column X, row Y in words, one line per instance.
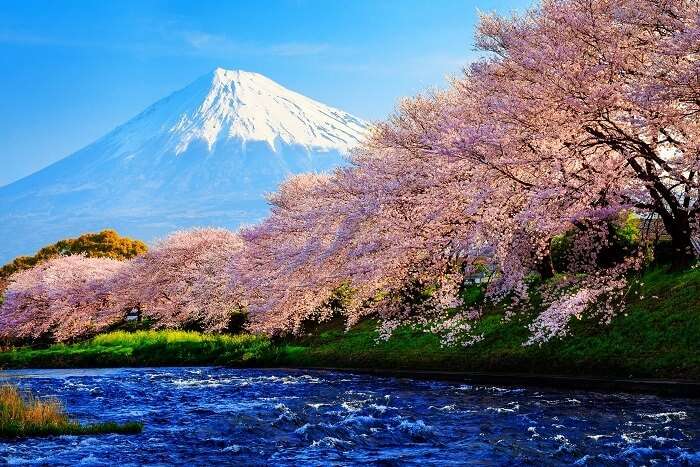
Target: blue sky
column 70, row 71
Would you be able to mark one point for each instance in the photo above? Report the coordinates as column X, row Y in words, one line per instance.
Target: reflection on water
column 276, row 417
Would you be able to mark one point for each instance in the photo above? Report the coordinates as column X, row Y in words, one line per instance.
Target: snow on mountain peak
column 205, row 155
column 235, row 104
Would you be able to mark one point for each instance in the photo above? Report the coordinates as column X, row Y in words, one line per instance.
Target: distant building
column 133, row 315
column 480, row 271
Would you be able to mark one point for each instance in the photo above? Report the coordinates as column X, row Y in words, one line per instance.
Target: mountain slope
column 205, row 155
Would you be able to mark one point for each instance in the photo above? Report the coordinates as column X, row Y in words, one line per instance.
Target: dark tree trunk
column 545, row 267
column 674, row 214
column 683, row 251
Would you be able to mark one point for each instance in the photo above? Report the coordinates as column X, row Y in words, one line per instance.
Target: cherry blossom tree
column 582, row 110
column 375, row 225
column 63, row 299
column 181, row 281
column 604, row 92
column 105, row 244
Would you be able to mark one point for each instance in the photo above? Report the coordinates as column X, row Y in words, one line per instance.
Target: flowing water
column 210, row 416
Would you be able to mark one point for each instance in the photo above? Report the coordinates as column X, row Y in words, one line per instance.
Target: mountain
column 205, row 155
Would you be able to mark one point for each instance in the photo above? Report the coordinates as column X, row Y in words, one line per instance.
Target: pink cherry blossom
column 62, row 299
column 181, row 281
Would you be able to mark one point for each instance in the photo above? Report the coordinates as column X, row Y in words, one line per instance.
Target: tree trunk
column 673, row 212
column 545, row 267
column 683, row 251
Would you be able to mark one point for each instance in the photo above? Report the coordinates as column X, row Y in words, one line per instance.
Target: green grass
column 655, row 337
column 23, row 415
column 144, row 348
column 14, row 430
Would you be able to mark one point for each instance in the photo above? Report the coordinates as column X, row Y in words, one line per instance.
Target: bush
column 105, row 244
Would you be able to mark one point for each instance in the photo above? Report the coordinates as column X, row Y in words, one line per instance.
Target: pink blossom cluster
column 61, row 299
column 581, row 110
column 181, row 281
column 599, row 293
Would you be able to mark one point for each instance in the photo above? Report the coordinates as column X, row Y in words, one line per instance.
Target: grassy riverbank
column 145, row 348
column 655, row 337
column 22, row 415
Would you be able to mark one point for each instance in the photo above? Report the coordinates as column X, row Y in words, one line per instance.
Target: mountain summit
column 205, row 155
column 239, row 105
column 251, row 107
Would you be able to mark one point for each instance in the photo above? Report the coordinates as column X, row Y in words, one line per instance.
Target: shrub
column 105, row 244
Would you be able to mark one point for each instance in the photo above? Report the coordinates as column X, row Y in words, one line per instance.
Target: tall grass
column 23, row 415
column 151, row 337
column 183, row 347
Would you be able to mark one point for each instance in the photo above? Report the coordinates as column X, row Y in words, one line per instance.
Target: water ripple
column 208, row 416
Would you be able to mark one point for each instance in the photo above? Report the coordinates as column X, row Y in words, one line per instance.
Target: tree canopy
column 105, row 244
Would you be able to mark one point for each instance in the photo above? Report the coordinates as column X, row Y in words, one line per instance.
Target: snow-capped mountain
column 205, row 155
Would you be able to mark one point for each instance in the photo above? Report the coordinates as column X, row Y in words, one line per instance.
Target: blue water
column 209, row 416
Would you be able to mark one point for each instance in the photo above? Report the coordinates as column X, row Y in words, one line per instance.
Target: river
column 208, row 416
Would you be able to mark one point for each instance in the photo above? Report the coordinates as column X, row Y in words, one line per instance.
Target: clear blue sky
column 70, row 71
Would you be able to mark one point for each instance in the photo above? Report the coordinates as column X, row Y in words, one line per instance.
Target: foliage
column 105, row 244
column 23, row 415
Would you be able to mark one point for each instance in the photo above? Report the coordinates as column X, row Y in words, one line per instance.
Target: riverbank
column 662, row 387
column 657, row 337
column 22, row 415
